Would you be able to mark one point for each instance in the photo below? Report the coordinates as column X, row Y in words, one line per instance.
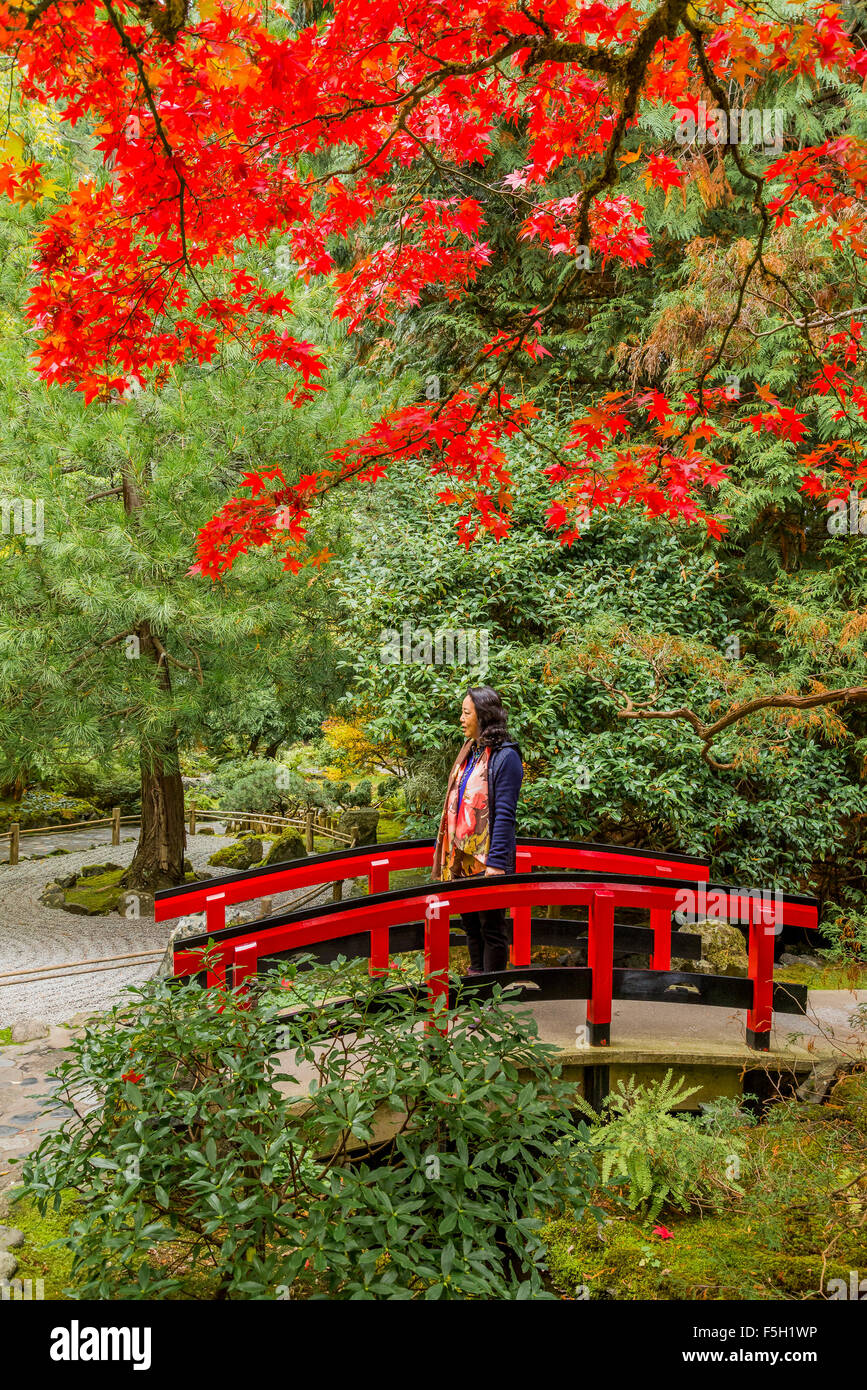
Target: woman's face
column 469, row 719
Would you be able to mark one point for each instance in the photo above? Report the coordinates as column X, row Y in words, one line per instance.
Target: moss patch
column 823, row 976
column 39, row 1257
column 243, row 854
column 798, row 1223
column 97, row 893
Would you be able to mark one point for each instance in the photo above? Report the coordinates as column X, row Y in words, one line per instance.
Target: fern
column 660, row 1158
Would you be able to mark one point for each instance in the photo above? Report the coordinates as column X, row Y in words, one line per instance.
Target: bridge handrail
column 262, row 880
column 240, row 948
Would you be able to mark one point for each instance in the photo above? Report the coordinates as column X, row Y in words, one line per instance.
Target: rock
column 192, row 925
column 243, row 854
column 364, row 819
column 818, row 1083
column 91, row 871
column 791, row 958
column 8, row 1264
column 10, row 1237
column 28, row 1029
column 239, row 917
column 723, row 951
column 188, row 866
column 205, row 830
column 286, row 847
column 52, row 896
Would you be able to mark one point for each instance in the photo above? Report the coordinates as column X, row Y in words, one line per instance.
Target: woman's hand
column 489, row 873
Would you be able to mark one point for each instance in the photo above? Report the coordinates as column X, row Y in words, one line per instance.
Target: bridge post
column 761, row 971
column 377, row 882
column 660, row 922
column 215, row 911
column 520, row 949
column 436, row 958
column 600, row 958
column 244, row 965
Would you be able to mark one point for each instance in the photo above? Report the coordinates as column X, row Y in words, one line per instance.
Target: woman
column 477, row 829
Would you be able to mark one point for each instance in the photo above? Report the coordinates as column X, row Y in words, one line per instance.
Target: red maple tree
column 216, row 119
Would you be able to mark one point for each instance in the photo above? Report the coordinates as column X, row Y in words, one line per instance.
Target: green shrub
column 361, row 794
column 107, row 786
column 46, row 808
column 260, row 784
column 204, row 1171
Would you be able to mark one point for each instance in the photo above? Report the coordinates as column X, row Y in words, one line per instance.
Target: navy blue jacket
column 505, row 775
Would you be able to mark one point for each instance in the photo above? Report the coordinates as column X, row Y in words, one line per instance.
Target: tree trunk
column 159, row 858
column 15, row 789
column 271, row 750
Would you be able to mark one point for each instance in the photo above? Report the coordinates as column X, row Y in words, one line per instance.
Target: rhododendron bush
column 230, row 125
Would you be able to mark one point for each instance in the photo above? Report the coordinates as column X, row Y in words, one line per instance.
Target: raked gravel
column 34, row 936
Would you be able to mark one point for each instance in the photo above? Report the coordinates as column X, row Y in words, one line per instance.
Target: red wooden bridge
column 598, row 880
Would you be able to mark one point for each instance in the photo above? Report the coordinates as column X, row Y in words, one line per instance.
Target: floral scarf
column 464, row 836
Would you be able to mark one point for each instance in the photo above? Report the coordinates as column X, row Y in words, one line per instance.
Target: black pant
column 487, row 939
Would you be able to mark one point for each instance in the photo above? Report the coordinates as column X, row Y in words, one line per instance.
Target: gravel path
column 32, row 935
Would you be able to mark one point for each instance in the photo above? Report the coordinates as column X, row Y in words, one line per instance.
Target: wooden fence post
column 308, row 832
column 337, row 890
column 115, row 825
column 15, row 832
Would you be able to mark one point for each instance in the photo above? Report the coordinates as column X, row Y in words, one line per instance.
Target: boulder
column 192, row 925
column 28, row 1029
column 8, row 1264
column 243, row 854
column 723, row 951
column 91, row 870
column 289, row 846
column 364, row 819
column 10, row 1237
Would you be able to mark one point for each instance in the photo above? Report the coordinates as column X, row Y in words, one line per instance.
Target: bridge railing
column 387, row 922
column 378, row 862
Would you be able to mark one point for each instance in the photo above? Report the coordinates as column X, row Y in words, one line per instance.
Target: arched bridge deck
column 597, row 879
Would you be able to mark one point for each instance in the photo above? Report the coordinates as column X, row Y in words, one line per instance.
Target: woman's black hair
column 491, row 714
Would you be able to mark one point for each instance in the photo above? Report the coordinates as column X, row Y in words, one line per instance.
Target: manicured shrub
column 417, row 1167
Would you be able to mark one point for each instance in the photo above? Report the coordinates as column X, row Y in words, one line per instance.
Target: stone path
column 28, row 1107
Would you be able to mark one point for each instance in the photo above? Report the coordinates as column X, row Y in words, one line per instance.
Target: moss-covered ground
column 800, row 1222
